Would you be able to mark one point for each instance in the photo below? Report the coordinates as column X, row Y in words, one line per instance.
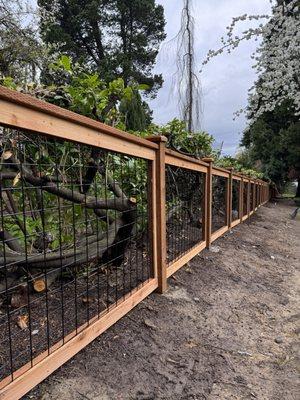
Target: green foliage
column 273, row 141
column 84, row 92
column 239, row 165
column 137, row 113
column 198, row 144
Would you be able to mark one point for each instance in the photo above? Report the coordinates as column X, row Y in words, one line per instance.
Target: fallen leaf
column 88, row 299
column 16, row 179
column 7, row 154
column 19, row 298
column 150, row 324
column 172, row 361
column 191, row 344
column 22, row 321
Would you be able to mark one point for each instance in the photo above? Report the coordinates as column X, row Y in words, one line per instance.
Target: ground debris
column 22, row 321
column 149, row 324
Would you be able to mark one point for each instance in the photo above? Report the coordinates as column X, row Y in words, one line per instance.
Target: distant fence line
column 93, row 220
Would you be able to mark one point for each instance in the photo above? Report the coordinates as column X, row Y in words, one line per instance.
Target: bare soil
column 228, row 327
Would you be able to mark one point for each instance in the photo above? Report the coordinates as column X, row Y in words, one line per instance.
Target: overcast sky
column 225, row 80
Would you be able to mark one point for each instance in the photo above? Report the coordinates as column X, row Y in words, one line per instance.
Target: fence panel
column 185, row 211
column 220, row 202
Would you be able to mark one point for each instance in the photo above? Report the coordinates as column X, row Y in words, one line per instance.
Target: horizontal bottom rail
column 45, row 364
column 235, row 223
column 219, row 233
column 175, row 266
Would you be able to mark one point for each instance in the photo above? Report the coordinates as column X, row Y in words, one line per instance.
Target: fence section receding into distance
column 93, row 220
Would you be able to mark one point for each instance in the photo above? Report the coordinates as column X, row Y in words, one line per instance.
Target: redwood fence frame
column 32, row 115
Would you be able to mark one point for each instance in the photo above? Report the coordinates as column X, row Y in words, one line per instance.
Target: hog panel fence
column 184, row 210
column 219, row 202
column 93, row 220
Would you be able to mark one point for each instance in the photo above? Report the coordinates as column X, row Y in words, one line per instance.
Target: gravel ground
column 227, row 328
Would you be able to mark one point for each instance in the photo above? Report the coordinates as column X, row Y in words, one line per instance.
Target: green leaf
column 143, row 86
column 65, row 62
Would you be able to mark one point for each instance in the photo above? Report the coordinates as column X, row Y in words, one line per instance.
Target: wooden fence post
column 229, row 198
column 160, row 217
column 208, row 205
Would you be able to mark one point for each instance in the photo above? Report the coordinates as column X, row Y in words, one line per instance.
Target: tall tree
column 20, row 49
column 188, row 84
column 119, row 38
column 273, row 142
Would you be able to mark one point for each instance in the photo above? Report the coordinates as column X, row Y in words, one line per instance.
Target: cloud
column 225, row 80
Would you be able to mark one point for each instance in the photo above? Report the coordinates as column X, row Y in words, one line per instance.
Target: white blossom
column 277, row 59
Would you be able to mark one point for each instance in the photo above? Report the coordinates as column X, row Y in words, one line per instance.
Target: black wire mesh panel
column 184, row 197
column 245, row 198
column 74, row 239
column 252, row 193
column 257, row 196
column 219, row 193
column 235, row 199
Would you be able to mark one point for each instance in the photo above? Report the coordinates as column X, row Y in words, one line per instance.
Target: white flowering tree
column 277, row 59
column 272, row 137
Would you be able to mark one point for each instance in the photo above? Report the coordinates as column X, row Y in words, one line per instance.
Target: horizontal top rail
column 186, row 157
column 19, row 101
column 220, row 171
column 180, row 160
column 236, row 177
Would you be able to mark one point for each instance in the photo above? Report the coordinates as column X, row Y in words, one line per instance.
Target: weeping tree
column 187, row 81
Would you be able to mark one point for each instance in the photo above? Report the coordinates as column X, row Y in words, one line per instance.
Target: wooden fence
column 190, row 203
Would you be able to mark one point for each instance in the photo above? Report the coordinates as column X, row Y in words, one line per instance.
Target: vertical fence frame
column 160, row 200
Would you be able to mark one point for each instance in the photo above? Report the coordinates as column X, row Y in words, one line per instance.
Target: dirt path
column 228, row 328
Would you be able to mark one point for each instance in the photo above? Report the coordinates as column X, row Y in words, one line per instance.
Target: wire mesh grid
column 184, row 213
column 245, row 198
column 257, row 197
column 235, row 199
column 74, row 240
column 252, row 194
column 219, row 195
